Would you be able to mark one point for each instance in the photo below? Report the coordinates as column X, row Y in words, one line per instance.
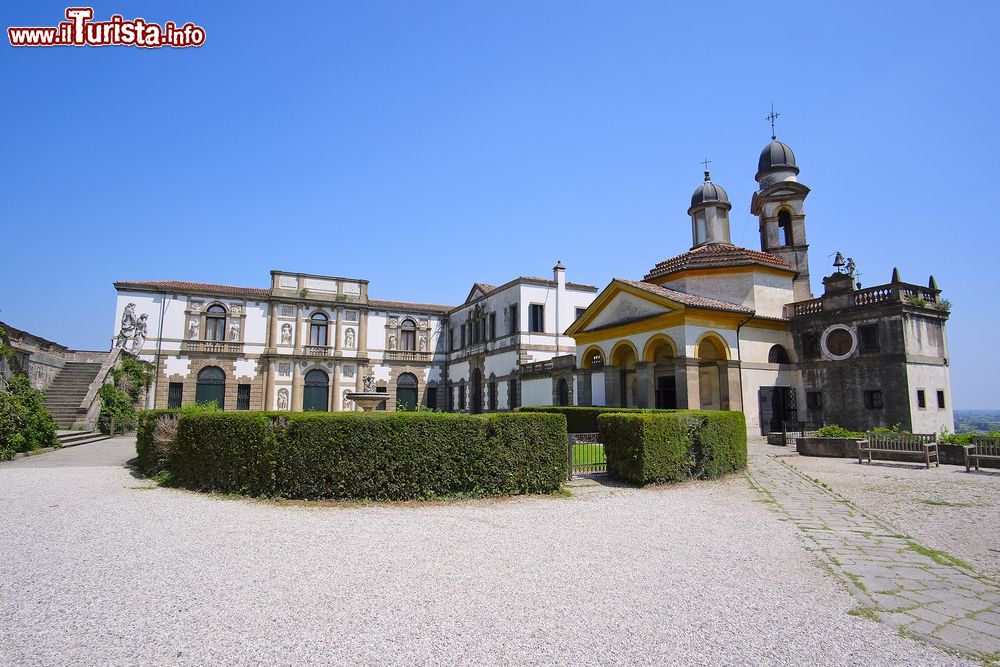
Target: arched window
column 596, row 361
column 563, row 392
column 406, row 392
column 211, row 386
column 215, row 322
column 318, row 329
column 785, row 227
column 778, row 355
column 316, row 392
column 408, row 336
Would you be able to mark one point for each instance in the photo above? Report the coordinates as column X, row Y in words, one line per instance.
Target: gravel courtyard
column 99, row 567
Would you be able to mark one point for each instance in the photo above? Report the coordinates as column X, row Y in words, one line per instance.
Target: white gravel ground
column 97, row 570
column 943, row 508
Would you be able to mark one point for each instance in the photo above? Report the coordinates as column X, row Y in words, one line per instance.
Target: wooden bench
column 982, row 447
column 916, row 443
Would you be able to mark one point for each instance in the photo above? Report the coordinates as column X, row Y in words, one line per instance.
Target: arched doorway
column 662, row 353
column 778, row 355
column 316, row 393
column 711, row 358
column 624, row 358
column 211, row 386
column 562, row 391
column 406, row 392
column 477, row 392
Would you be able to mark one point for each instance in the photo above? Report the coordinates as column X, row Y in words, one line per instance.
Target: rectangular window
column 463, row 335
column 921, row 399
column 243, row 397
column 940, row 397
column 493, row 395
column 868, row 334
column 814, row 400
column 461, row 397
column 175, row 394
column 874, row 399
column 512, row 393
column 580, row 312
column 810, row 346
column 515, row 324
column 317, row 334
column 451, row 338
column 537, row 318
column 493, row 326
column 432, row 398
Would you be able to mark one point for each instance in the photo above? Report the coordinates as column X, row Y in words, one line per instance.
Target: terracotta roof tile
column 183, row 286
column 715, row 255
column 692, row 300
column 405, row 305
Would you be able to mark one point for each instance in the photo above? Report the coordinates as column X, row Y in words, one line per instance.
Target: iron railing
column 585, row 454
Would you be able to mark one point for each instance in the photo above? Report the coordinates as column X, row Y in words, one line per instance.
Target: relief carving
column 193, row 325
column 282, row 399
column 286, row 334
column 234, row 331
column 349, row 338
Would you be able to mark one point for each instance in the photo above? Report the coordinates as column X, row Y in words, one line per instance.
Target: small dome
column 776, row 155
column 709, row 192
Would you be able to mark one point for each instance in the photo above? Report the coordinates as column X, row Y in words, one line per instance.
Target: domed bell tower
column 779, row 204
column 709, row 214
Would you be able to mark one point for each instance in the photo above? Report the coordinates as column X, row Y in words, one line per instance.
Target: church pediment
column 622, row 304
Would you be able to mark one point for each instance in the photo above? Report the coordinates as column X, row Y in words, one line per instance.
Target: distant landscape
column 982, row 421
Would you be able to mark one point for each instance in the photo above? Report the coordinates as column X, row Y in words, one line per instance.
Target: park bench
column 982, row 447
column 917, row 443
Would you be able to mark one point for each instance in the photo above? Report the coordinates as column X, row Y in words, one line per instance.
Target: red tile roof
column 713, row 256
column 183, row 286
column 692, row 300
column 405, row 305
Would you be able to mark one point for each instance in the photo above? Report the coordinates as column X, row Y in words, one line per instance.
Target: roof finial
column 771, row 117
column 706, row 162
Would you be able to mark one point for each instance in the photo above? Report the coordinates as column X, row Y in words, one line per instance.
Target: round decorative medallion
column 839, row 342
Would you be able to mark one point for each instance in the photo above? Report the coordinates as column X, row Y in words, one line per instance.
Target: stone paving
column 921, row 592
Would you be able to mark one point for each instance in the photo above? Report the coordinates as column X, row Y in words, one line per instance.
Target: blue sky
column 427, row 145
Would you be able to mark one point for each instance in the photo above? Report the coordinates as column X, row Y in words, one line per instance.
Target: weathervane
column 771, row 117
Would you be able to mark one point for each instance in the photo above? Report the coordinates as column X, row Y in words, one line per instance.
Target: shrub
column 382, row 456
column 834, row 431
column 581, row 419
column 156, row 433
column 25, row 423
column 667, row 446
column 116, row 409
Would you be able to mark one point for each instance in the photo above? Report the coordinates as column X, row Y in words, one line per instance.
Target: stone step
column 72, row 438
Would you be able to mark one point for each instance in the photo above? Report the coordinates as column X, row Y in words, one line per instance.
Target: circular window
column 839, row 342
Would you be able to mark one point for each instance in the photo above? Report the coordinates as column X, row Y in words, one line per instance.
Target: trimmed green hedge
column 658, row 446
column 582, row 420
column 381, row 456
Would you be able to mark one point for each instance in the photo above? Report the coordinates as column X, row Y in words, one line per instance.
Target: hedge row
column 382, row 456
column 581, row 420
column 658, row 446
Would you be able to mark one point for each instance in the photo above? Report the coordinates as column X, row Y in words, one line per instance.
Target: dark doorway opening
column 666, row 393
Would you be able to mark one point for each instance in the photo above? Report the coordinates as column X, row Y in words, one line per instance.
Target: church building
column 719, row 327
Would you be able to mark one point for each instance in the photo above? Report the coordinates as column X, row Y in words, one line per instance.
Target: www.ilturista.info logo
column 80, row 30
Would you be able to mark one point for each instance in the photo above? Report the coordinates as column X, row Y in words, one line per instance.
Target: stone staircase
column 73, row 438
column 68, row 390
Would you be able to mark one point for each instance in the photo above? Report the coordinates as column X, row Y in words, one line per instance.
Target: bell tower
column 779, row 205
column 709, row 213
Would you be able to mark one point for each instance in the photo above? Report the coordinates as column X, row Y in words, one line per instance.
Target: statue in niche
column 349, row 338
column 423, row 342
column 193, row 328
column 369, row 382
column 140, row 334
column 392, row 342
column 128, row 326
column 282, row 399
column 234, row 331
column 348, row 403
column 286, row 334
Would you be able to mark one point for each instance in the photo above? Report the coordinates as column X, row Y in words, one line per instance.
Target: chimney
column 559, row 275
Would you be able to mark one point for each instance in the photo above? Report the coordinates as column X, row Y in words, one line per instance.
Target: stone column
column 612, row 387
column 298, row 328
column 336, row 328
column 732, row 381
column 688, row 384
column 269, row 385
column 297, row 386
column 334, row 400
column 363, row 332
column 272, row 336
column 644, row 398
column 584, row 390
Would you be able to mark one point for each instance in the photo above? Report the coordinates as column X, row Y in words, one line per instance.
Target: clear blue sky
column 427, row 145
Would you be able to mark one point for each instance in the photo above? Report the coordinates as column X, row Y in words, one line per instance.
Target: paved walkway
column 919, row 591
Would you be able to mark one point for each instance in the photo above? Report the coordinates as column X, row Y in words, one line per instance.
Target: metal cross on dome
column 771, row 117
column 706, row 162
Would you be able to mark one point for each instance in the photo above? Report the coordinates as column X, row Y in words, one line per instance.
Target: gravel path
column 98, row 568
column 944, row 508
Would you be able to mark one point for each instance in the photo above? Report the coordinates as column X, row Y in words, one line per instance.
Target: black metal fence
column 792, row 430
column 585, row 454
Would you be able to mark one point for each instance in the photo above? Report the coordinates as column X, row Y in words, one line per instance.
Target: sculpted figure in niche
column 234, row 331
column 348, row 404
column 349, row 338
column 128, row 326
column 392, row 342
column 286, row 334
column 282, row 399
column 140, row 334
column 193, row 328
column 423, row 342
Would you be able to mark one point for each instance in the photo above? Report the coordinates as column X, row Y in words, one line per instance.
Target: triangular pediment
column 619, row 304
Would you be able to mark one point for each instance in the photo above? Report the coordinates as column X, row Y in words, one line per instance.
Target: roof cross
column 771, row 117
column 705, row 162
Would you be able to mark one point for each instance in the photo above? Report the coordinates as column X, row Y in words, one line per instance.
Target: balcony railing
column 317, row 351
column 408, row 355
column 212, row 346
column 927, row 297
